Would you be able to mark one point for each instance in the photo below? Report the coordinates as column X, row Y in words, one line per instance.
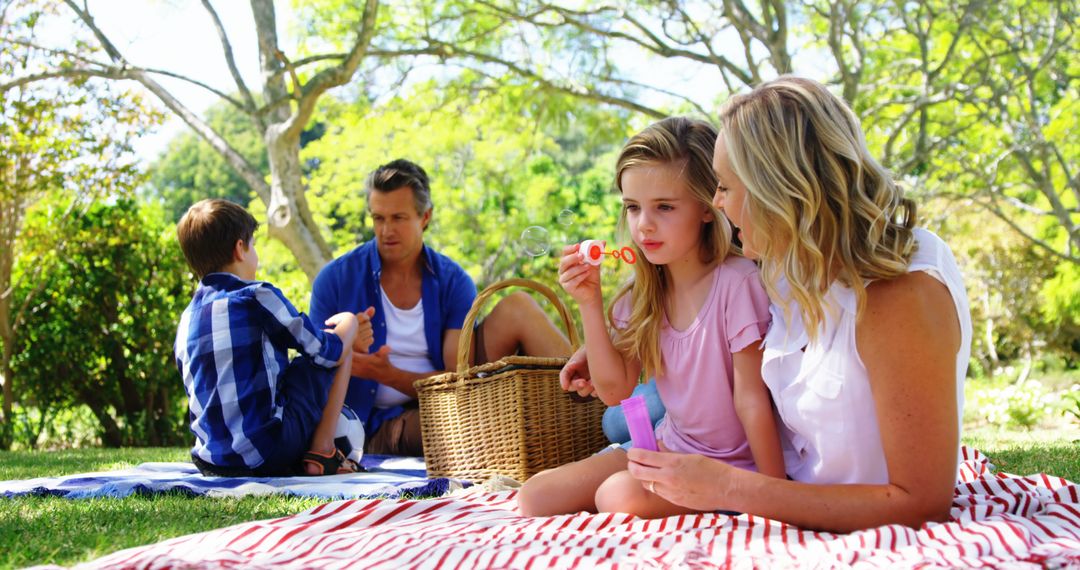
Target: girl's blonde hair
column 820, row 207
column 673, row 140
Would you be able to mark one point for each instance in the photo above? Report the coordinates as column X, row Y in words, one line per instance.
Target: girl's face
column 731, row 198
column 664, row 218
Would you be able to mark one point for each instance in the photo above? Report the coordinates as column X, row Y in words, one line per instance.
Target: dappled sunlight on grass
column 30, row 464
column 1053, row 451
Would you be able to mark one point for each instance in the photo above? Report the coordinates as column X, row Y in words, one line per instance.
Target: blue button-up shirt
column 232, row 347
column 351, row 283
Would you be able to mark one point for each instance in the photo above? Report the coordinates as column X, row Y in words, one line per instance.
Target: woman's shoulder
column 738, row 267
column 912, row 301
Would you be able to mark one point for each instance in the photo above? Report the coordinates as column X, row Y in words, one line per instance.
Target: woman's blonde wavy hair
column 820, row 207
column 672, row 140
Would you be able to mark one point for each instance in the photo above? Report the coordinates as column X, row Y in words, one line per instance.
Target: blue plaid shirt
column 232, row 347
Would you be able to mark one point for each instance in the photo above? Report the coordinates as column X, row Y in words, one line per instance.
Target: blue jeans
column 614, row 422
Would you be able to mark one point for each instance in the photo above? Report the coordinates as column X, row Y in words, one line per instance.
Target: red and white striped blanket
column 997, row 520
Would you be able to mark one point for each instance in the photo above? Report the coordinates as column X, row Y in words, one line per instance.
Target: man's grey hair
column 399, row 173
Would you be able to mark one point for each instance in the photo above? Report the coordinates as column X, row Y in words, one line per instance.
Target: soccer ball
column 349, row 437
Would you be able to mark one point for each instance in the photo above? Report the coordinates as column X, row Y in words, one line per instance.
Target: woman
column 871, row 330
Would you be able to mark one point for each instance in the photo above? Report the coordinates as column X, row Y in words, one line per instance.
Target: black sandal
column 333, row 463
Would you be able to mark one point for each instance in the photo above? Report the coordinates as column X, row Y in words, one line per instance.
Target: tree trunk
column 7, row 351
column 10, row 218
column 288, row 214
column 6, row 426
column 150, row 432
column 110, row 431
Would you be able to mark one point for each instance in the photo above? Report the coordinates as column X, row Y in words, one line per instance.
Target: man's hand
column 575, row 375
column 344, row 326
column 375, row 365
column 365, row 335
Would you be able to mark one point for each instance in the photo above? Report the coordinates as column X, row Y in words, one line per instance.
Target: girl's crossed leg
column 599, row 483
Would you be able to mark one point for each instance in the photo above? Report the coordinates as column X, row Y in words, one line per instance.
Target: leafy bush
column 1071, row 402
column 54, row 428
column 1015, row 405
column 101, row 333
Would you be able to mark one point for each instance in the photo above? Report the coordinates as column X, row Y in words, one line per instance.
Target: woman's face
column 731, row 198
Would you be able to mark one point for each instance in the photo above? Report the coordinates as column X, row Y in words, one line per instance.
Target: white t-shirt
column 408, row 347
column 823, row 394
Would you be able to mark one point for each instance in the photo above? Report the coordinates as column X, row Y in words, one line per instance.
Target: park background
column 115, row 116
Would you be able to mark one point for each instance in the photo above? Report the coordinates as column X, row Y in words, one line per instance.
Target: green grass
column 52, row 530
column 1056, row 452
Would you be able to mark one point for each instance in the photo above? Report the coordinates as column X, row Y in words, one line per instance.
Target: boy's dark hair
column 208, row 233
column 399, row 173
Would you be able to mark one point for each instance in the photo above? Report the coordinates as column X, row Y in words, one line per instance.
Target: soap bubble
column 567, row 217
column 534, row 240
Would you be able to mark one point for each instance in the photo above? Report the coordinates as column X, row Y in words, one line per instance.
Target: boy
column 253, row 412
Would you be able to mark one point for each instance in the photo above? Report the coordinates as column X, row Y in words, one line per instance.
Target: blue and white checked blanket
column 386, row 477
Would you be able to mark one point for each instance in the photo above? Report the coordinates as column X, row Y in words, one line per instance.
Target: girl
column 871, row 332
column 693, row 316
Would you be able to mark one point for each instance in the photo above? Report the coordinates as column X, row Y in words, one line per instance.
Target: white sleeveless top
column 823, row 394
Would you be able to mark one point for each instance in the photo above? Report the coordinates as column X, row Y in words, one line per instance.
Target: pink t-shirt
column 698, row 379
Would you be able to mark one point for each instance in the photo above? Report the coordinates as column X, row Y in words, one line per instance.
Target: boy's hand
column 345, row 327
column 365, row 335
column 579, row 279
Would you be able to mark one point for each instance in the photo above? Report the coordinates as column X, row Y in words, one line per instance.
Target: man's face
column 399, row 230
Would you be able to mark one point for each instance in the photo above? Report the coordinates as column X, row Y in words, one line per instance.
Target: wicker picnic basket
column 508, row 417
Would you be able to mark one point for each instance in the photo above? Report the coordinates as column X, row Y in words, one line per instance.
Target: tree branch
column 334, row 76
column 656, row 44
column 993, row 208
column 549, row 84
column 250, row 174
column 72, row 73
column 249, row 101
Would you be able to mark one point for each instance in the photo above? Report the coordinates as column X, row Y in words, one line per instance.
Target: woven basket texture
column 508, row 417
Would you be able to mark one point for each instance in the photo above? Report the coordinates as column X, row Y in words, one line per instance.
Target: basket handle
column 465, row 340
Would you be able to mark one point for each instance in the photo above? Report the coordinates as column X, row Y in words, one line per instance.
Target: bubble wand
column 592, row 252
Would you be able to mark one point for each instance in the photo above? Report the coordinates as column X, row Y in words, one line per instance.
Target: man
column 417, row 300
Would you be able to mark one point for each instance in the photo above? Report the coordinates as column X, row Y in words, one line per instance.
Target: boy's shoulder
column 218, row 286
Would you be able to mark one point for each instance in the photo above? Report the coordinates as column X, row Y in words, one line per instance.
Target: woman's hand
column 574, row 375
column 579, row 279
column 692, row 481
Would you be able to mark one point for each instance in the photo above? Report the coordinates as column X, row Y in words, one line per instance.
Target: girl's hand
column 692, row 481
column 579, row 279
column 574, row 376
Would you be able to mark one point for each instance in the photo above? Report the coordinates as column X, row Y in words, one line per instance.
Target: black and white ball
column 349, row 437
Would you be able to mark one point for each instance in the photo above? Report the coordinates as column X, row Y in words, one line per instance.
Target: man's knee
column 510, row 316
column 515, row 305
